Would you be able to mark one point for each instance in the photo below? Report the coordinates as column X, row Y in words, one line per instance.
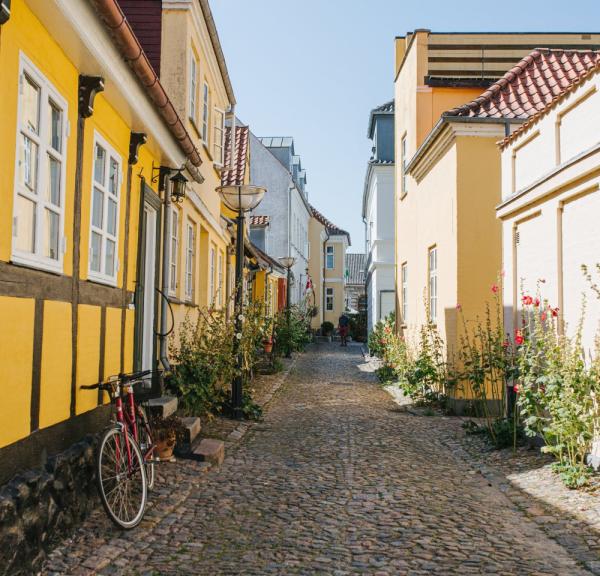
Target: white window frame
column 205, row 113
column 174, row 252
column 193, row 87
column 220, row 278
column 48, row 92
column 190, row 260
column 329, row 253
column 432, row 285
column 403, row 165
column 219, row 137
column 329, row 295
column 404, row 290
column 212, row 274
column 110, row 151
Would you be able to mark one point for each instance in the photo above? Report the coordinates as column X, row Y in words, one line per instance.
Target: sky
column 313, row 70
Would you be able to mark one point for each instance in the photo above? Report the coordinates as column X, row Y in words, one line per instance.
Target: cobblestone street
column 335, row 480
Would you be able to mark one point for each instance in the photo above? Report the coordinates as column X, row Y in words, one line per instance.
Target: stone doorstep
column 210, row 450
column 192, row 427
column 164, row 406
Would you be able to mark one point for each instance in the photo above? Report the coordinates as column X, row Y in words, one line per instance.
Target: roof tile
column 235, row 175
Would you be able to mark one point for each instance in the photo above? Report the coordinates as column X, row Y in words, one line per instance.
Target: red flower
column 554, row 312
column 527, row 300
column 544, row 316
column 495, row 288
column 536, row 302
column 519, row 340
column 387, row 329
column 516, row 388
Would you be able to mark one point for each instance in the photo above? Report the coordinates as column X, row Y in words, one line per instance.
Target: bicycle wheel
column 145, row 443
column 122, row 481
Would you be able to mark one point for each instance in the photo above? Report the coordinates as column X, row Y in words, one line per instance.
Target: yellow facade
column 56, row 326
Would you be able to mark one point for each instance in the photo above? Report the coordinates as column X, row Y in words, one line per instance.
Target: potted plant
column 268, row 336
column 166, row 432
column 327, row 330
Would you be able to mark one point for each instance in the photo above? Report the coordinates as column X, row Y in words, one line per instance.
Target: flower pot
column 268, row 346
column 164, row 448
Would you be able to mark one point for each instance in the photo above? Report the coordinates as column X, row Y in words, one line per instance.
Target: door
column 149, row 288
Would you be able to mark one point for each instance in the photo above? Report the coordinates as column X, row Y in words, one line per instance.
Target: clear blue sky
column 313, row 69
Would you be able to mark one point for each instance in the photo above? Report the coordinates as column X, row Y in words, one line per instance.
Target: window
column 205, row 114
column 433, row 284
column 404, row 284
column 258, row 237
column 211, row 278
column 105, row 212
column 330, row 257
column 193, row 87
column 174, row 250
column 38, row 218
column 329, row 299
column 220, row 282
column 219, row 136
column 403, row 165
column 190, row 255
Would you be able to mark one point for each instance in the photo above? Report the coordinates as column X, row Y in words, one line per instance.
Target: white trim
column 205, row 121
column 212, row 271
column 46, row 92
column 111, row 154
column 174, row 257
column 190, row 259
column 327, row 254
column 219, row 160
column 193, row 86
column 333, row 280
column 329, row 295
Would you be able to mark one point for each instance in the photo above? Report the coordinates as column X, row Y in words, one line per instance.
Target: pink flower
column 459, row 307
column 519, row 340
column 505, row 344
column 536, row 302
column 516, row 388
column 495, row 288
column 527, row 300
column 544, row 316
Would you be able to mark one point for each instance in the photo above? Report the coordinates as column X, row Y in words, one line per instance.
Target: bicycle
column 125, row 455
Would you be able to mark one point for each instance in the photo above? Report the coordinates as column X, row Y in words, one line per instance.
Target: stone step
column 163, row 406
column 192, row 427
column 210, row 450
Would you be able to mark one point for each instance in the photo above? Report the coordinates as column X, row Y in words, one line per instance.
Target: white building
column 551, row 192
column 378, row 216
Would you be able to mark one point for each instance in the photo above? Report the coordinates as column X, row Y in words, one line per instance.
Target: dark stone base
column 461, row 407
column 40, row 507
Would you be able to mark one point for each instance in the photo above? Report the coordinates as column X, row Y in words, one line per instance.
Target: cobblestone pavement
column 336, row 480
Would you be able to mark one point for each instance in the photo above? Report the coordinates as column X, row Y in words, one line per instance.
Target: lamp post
column 287, row 262
column 240, row 199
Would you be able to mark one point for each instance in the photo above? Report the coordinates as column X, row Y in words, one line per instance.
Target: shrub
column 327, row 328
column 292, row 330
column 377, row 338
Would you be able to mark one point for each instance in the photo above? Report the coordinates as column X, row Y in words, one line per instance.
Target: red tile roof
column 532, row 85
column 235, row 176
column 259, row 220
column 331, row 228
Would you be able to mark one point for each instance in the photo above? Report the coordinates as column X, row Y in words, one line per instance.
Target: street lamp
column 240, row 199
column 287, row 262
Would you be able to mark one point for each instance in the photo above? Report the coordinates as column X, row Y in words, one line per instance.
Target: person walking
column 343, row 328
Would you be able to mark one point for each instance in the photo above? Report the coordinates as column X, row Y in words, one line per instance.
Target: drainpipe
column 166, row 185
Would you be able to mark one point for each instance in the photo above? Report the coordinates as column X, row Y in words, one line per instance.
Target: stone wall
column 39, row 507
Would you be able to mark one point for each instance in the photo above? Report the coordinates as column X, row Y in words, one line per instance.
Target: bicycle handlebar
column 123, row 378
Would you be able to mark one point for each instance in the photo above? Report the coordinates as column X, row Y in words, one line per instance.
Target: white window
column 205, row 112
column 190, row 255
column 329, row 299
column 193, row 87
column 403, row 164
column 106, row 186
column 330, row 257
column 174, row 250
column 433, row 284
column 219, row 136
column 404, row 281
column 38, row 218
column 211, row 278
column 220, row 282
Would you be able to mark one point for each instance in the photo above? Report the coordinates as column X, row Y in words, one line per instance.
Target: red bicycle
column 125, row 455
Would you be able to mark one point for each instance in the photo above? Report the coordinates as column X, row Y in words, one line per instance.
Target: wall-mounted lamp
column 179, row 183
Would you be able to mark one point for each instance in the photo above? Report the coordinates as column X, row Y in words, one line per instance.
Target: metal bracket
column 136, row 140
column 89, row 86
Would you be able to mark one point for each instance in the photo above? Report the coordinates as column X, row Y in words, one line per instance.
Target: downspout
column 166, row 236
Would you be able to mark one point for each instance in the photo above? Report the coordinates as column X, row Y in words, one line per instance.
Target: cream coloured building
column 551, row 192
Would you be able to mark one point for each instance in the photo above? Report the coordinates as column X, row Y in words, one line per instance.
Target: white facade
column 378, row 215
column 550, row 210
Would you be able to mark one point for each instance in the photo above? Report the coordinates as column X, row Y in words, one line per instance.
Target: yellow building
column 448, row 241
column 84, row 127
column 326, row 268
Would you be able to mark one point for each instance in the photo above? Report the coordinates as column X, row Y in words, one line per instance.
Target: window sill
column 403, row 195
column 112, row 282
column 34, row 263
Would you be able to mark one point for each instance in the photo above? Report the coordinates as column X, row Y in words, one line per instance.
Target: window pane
column 97, row 208
column 96, row 252
column 55, row 115
column 99, row 164
column 28, row 163
column 111, row 225
column 113, row 182
column 53, row 186
column 25, row 212
column 31, row 105
column 50, row 237
column 109, row 268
